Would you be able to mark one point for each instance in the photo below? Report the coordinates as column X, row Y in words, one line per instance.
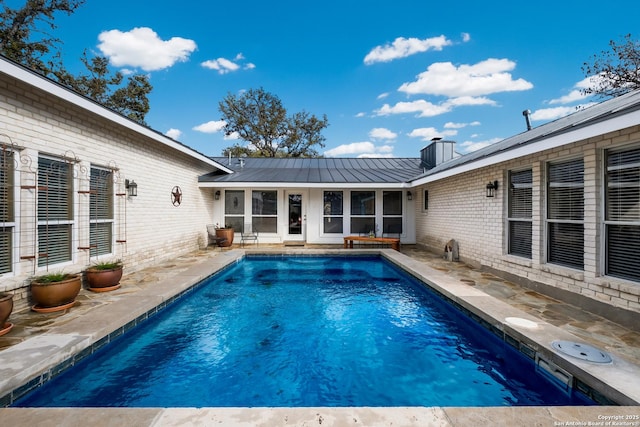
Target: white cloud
column 174, row 133
column 361, row 149
column 403, row 47
column 422, row 107
column 211, row 127
column 427, row 134
column 466, row 37
column 576, row 93
column 142, row 48
column 557, row 112
column 428, row 109
column 232, row 136
column 470, row 146
column 451, row 125
column 353, row 148
column 382, row 133
column 221, row 65
column 224, row 65
column 361, row 114
column 484, row 78
column 383, row 95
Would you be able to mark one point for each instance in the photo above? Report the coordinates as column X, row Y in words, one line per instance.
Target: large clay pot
column 6, row 306
column 225, row 233
column 100, row 280
column 55, row 296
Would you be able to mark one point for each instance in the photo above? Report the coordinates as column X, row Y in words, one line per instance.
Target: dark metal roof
column 316, row 170
column 611, row 108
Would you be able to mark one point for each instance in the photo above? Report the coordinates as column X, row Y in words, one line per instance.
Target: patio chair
column 248, row 235
column 212, row 238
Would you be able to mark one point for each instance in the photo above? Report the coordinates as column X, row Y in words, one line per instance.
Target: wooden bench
column 395, row 243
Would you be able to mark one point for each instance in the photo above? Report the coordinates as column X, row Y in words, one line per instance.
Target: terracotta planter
column 6, row 306
column 100, row 280
column 55, row 296
column 225, row 233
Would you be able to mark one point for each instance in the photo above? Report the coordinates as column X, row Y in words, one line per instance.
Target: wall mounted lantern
column 217, row 195
column 492, row 187
column 132, row 187
column 409, row 195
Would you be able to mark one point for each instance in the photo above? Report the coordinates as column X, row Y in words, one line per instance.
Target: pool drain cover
column 581, row 351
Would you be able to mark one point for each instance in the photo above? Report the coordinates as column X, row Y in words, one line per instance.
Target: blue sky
column 389, row 75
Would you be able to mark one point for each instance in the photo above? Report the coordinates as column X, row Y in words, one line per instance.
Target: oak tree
column 260, row 119
column 616, row 71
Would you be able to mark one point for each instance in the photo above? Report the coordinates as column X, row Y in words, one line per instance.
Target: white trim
column 287, row 185
column 68, row 95
column 584, row 133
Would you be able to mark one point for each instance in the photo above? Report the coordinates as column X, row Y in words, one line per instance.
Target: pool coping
column 28, row 364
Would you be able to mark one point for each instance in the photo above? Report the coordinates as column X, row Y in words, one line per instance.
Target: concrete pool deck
column 40, row 345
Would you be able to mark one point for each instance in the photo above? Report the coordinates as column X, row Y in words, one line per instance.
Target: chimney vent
column 526, row 114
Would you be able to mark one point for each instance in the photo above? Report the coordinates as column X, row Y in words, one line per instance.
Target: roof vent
column 526, row 114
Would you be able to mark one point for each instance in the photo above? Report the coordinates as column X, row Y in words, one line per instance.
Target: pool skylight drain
column 581, row 351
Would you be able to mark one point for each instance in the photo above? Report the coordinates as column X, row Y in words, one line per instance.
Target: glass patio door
column 296, row 216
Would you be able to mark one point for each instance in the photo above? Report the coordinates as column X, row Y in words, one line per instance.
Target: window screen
column 622, row 213
column 565, row 213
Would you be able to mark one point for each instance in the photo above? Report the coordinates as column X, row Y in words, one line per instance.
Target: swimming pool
column 305, row 331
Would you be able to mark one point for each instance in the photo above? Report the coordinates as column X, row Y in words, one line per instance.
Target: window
column 363, row 212
column 7, row 219
column 426, row 200
column 264, row 210
column 392, row 212
column 565, row 213
column 622, row 213
column 234, row 209
column 101, row 212
column 332, row 212
column 519, row 217
column 55, row 211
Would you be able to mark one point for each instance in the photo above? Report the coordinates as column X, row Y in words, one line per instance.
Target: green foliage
column 130, row 100
column 107, row 265
column 18, row 43
column 260, row 119
column 616, row 71
column 53, row 277
column 17, row 25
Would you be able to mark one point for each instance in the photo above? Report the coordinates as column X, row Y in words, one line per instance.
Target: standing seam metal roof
column 317, row 170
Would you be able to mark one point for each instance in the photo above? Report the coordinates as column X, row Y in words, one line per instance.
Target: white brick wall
column 156, row 231
column 459, row 209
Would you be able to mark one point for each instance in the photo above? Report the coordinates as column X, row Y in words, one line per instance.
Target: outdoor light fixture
column 409, row 195
column 217, row 195
column 132, row 187
column 491, row 188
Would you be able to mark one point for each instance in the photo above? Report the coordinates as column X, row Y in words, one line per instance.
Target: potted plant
column 223, row 233
column 55, row 291
column 6, row 306
column 104, row 276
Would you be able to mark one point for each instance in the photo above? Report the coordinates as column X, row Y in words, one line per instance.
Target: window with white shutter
column 565, row 213
column 520, row 209
column 101, row 211
column 622, row 213
column 7, row 220
column 55, row 211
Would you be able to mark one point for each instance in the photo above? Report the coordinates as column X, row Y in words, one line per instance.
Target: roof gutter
column 323, row 185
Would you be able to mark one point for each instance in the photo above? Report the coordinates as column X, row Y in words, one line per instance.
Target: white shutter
column 622, row 214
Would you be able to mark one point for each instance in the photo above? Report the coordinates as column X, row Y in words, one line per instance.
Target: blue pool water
column 305, row 331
